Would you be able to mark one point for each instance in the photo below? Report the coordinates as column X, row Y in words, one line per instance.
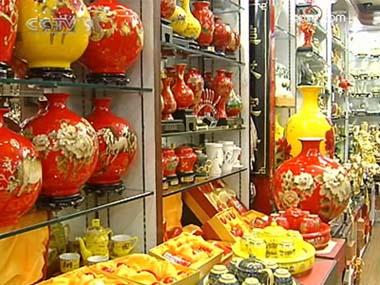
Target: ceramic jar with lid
column 228, row 279
column 250, row 268
column 187, row 159
column 282, row 277
column 251, row 281
column 172, row 161
column 216, row 273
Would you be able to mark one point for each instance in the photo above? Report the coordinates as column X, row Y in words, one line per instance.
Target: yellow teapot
column 96, row 240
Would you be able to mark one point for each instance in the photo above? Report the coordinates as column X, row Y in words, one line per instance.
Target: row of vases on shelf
column 106, row 36
column 201, row 25
column 204, row 95
column 60, row 152
column 184, row 164
column 311, row 179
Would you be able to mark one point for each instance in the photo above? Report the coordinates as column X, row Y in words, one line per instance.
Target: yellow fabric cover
column 23, row 256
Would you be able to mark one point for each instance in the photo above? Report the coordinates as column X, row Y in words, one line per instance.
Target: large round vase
column 223, row 87
column 206, row 18
column 116, row 41
column 182, row 93
column 310, row 122
column 117, row 144
column 222, row 35
column 68, row 148
column 312, row 182
column 8, row 30
column 51, row 35
column 20, row 175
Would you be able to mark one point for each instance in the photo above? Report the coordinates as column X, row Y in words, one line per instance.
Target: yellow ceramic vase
column 279, row 131
column 184, row 23
column 178, row 20
column 52, row 33
column 310, row 122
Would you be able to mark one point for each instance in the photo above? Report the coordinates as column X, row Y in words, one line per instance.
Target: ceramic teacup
column 122, row 245
column 69, row 261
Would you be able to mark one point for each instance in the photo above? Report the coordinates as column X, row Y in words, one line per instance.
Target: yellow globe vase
column 310, row 122
column 178, row 20
column 51, row 35
column 184, row 23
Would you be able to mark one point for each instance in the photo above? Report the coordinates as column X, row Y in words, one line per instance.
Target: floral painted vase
column 182, row 93
column 48, row 45
column 310, row 122
column 8, row 30
column 193, row 28
column 312, row 182
column 223, row 87
column 68, row 147
column 117, row 144
column 116, row 41
column 234, row 43
column 222, row 35
column 167, row 8
column 21, row 175
column 206, row 18
column 171, row 162
column 196, row 83
column 187, row 159
column 169, row 104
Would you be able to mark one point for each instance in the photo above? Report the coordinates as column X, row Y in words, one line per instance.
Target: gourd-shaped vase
column 206, row 18
column 193, row 27
column 182, row 93
column 196, row 83
column 169, row 103
column 223, row 87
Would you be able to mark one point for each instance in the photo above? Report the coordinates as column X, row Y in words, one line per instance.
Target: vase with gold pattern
column 310, row 122
column 52, row 35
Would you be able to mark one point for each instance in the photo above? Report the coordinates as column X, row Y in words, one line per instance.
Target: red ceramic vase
column 116, row 41
column 169, row 103
column 234, row 43
column 8, row 29
column 182, row 93
column 167, row 8
column 206, row 18
column 117, row 144
column 68, row 147
column 187, row 159
column 196, row 83
column 20, row 173
column 312, row 182
column 172, row 161
column 222, row 35
column 223, row 86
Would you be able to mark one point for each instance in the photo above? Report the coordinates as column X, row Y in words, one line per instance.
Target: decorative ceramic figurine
column 68, row 148
column 182, row 93
column 21, row 175
column 195, row 81
column 96, row 240
column 223, row 87
column 193, row 27
column 214, row 152
column 312, row 182
column 310, row 122
column 169, row 104
column 117, row 145
column 49, row 40
column 222, row 35
column 167, row 8
column 8, row 29
column 206, row 18
column 308, row 29
column 116, row 41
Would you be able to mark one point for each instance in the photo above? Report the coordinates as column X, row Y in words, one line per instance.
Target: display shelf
column 41, row 84
column 192, row 51
column 226, row 7
column 202, row 132
column 185, row 187
column 46, row 218
column 282, row 33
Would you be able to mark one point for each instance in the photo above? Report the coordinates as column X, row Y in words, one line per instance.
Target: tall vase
column 179, row 20
column 223, row 87
column 116, row 41
column 182, row 93
column 52, row 35
column 310, row 122
column 21, row 175
column 193, row 27
column 68, row 148
column 169, row 103
column 312, row 182
column 196, row 83
column 117, row 145
column 8, row 30
column 206, row 18
column 222, row 35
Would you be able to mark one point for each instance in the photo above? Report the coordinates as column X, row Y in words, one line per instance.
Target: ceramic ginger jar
column 196, row 83
column 116, row 41
column 167, row 8
column 52, row 34
column 8, row 30
column 312, row 182
column 310, row 122
column 117, row 144
column 181, row 91
column 187, row 159
column 206, row 18
column 68, row 147
column 171, row 162
column 223, row 86
column 21, row 175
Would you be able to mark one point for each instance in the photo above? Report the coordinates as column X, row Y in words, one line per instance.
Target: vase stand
column 101, row 189
column 58, row 203
column 107, row 78
column 51, row 74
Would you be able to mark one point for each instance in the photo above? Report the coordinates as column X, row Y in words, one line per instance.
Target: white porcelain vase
column 214, row 152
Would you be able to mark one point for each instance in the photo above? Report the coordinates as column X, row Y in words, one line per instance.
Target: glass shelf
column 201, row 132
column 185, row 187
column 40, row 84
column 283, row 34
column 39, row 218
column 226, row 6
column 189, row 51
